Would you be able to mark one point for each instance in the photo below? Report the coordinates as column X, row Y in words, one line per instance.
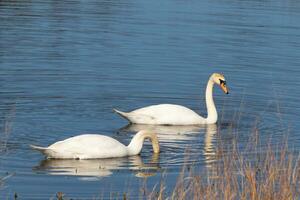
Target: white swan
column 91, row 146
column 169, row 114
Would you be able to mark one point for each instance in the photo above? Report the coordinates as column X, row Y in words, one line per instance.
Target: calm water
column 65, row 64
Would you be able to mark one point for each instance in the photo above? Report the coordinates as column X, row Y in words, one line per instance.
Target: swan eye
column 222, row 82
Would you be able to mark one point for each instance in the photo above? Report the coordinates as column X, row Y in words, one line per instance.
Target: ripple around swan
column 194, row 144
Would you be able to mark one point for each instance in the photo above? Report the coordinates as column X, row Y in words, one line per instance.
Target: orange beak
column 224, row 88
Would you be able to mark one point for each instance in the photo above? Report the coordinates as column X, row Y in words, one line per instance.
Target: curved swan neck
column 137, row 142
column 212, row 115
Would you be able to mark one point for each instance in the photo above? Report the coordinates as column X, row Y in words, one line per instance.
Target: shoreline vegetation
column 252, row 174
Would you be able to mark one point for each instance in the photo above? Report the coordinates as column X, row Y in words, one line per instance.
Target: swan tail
column 46, row 151
column 136, row 118
column 122, row 114
column 38, row 148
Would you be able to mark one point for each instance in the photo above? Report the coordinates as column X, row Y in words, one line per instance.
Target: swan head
column 146, row 134
column 137, row 141
column 219, row 79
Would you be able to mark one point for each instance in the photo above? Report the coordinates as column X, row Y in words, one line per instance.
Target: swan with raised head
column 170, row 114
column 92, row 146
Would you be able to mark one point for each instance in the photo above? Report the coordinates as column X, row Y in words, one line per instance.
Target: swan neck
column 212, row 115
column 136, row 144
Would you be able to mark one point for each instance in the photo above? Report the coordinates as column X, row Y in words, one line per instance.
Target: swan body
column 92, row 146
column 169, row 114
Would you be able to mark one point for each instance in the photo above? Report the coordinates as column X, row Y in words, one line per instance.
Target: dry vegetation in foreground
column 272, row 175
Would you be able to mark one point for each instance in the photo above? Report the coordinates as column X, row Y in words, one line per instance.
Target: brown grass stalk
column 271, row 174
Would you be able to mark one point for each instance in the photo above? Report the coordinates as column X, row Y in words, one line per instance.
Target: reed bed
column 271, row 173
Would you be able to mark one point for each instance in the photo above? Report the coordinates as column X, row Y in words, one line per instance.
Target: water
column 65, row 64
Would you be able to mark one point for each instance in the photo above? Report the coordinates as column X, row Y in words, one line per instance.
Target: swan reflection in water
column 94, row 169
column 199, row 138
column 168, row 133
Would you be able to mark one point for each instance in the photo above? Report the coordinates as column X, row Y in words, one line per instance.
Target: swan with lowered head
column 170, row 114
column 92, row 146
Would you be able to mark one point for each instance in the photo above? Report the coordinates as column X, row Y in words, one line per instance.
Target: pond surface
column 64, row 65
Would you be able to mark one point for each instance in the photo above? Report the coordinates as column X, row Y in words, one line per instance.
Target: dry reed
column 259, row 174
